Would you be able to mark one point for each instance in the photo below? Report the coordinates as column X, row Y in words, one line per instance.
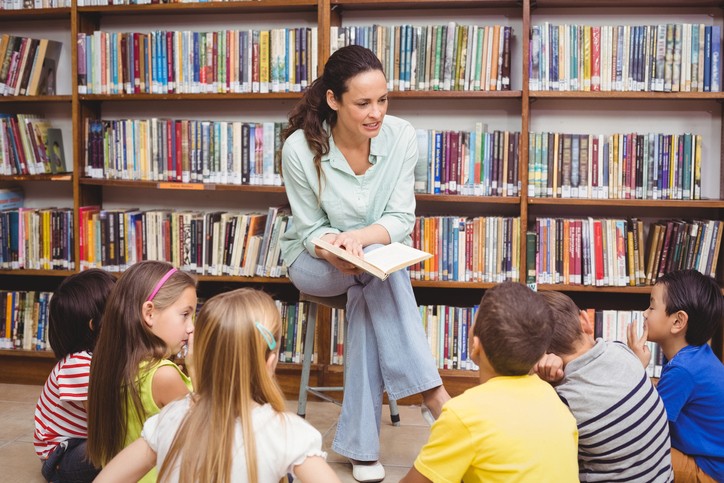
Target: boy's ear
column 586, row 323
column 477, row 349
column 681, row 322
column 147, row 312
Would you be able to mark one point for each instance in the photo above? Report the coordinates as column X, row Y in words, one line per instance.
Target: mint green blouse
column 383, row 195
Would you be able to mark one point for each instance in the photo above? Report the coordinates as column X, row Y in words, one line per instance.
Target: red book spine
column 631, row 142
column 139, row 239
column 170, row 165
column 179, row 151
column 598, row 249
column 171, row 82
column 215, row 63
column 227, row 73
column 596, row 58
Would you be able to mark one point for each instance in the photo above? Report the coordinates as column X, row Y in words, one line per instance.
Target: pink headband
column 160, row 284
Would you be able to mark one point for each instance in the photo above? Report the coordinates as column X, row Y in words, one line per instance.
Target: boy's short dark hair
column 513, row 324
column 700, row 297
column 79, row 299
column 566, row 328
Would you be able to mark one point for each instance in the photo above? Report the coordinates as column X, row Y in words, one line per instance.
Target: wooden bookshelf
column 32, row 367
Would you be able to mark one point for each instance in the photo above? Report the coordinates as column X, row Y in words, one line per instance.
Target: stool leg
column 394, row 412
column 307, row 360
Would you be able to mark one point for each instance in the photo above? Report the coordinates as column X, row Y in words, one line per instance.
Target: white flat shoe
column 368, row 473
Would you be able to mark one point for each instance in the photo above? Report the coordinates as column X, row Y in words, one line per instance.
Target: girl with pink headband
column 148, row 318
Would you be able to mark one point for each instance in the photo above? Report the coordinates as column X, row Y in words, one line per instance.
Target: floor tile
column 20, row 393
column 16, row 420
column 320, row 414
column 19, row 463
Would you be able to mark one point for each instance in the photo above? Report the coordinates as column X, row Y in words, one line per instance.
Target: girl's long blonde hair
column 229, row 370
column 123, row 343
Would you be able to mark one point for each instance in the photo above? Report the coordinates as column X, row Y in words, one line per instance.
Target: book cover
column 55, row 152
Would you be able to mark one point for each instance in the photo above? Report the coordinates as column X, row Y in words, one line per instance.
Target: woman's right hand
column 342, row 240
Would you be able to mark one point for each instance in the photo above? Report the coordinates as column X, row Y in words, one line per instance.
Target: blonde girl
column 148, row 318
column 234, row 427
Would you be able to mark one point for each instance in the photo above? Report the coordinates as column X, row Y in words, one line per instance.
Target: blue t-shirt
column 692, row 388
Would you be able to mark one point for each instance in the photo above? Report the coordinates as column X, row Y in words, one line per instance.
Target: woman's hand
column 347, row 241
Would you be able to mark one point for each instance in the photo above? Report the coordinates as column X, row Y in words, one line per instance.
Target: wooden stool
column 338, row 302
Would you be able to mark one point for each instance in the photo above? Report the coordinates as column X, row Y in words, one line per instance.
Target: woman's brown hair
column 312, row 112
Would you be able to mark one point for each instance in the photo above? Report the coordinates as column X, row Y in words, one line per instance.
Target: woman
column 349, row 175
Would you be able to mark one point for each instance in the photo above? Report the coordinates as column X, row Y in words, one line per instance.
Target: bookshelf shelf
column 455, row 94
column 492, row 200
column 428, row 4
column 41, row 273
column 229, row 278
column 450, row 284
column 659, row 4
column 693, row 205
column 35, row 14
column 27, row 353
column 587, row 288
column 36, row 99
column 257, row 6
column 60, row 178
column 188, row 97
column 662, row 96
column 180, row 186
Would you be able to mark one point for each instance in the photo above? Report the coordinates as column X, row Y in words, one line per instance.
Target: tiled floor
column 19, row 464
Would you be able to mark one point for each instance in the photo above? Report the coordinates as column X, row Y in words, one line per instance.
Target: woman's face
column 362, row 108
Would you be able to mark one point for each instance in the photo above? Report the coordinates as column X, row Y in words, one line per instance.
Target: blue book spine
column 707, row 58
column 716, row 58
column 14, row 245
column 155, row 59
column 196, row 65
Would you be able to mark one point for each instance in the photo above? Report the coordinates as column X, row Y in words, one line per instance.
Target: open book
column 382, row 261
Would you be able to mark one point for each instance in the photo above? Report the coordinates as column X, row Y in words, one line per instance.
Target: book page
column 395, row 256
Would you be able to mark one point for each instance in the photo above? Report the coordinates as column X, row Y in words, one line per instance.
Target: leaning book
column 382, row 261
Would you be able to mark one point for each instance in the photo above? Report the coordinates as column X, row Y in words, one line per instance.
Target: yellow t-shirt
column 512, row 428
column 144, row 381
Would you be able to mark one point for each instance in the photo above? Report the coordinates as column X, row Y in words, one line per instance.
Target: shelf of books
column 561, row 144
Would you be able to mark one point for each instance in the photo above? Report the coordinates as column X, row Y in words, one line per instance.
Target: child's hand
column 638, row 344
column 549, row 368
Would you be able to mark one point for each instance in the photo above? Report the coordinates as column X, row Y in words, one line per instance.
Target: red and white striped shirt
column 59, row 414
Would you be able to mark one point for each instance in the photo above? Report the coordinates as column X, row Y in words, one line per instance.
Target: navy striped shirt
column 622, row 425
